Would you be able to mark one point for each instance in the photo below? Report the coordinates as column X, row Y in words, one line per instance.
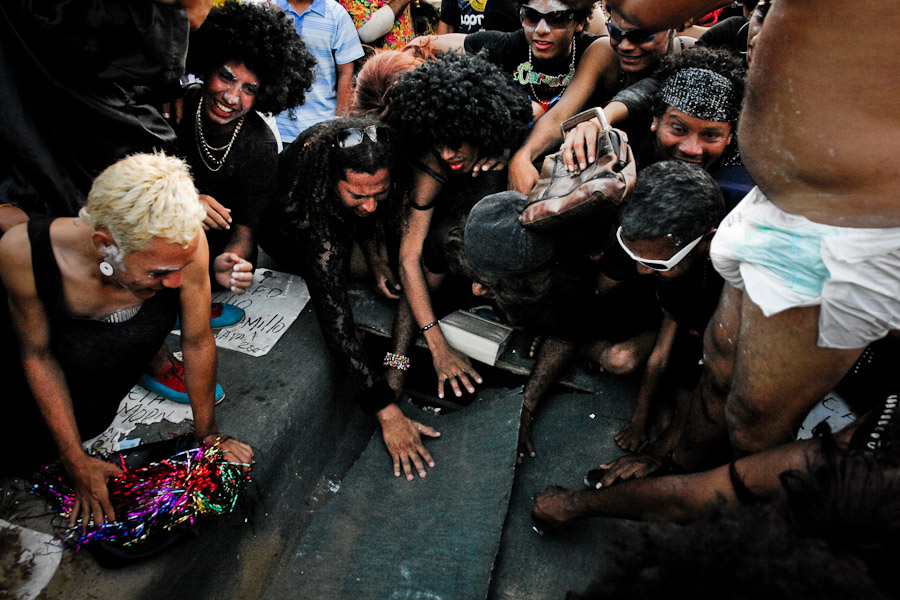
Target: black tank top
column 101, row 361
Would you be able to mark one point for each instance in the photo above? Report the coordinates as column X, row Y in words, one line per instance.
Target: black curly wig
column 262, row 38
column 459, row 98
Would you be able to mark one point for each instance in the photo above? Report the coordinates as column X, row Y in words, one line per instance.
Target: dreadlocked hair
column 314, row 163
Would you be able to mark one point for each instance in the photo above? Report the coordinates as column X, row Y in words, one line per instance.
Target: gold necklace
column 206, row 149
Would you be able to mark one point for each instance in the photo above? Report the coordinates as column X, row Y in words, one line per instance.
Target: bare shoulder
column 15, row 258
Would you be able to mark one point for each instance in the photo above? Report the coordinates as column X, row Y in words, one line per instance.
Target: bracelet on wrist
column 396, row 361
column 427, row 327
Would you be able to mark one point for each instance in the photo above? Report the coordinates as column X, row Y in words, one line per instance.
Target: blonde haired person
column 91, row 301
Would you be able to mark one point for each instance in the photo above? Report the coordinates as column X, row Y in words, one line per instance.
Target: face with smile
column 145, row 272
column 361, row 192
column 462, row 158
column 680, row 136
column 637, row 57
column 549, row 28
column 229, row 93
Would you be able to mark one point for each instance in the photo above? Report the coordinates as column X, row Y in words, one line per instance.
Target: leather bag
column 560, row 198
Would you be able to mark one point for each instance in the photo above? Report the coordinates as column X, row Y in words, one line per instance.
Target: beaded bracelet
column 427, row 327
column 396, row 361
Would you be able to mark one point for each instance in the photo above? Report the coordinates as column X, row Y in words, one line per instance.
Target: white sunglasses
column 658, row 265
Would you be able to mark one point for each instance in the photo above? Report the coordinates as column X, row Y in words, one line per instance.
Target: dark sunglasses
column 558, row 19
column 355, row 136
column 635, row 36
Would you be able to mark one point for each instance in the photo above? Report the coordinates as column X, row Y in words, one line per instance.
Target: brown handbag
column 561, row 198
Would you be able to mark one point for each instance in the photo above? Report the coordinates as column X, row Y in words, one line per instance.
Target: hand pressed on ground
column 403, row 440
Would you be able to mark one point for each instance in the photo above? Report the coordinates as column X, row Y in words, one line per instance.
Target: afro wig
column 265, row 41
column 459, row 98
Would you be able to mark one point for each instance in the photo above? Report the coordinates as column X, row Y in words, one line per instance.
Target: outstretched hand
column 580, row 146
column 454, row 367
column 630, row 466
column 553, row 509
column 89, row 478
column 522, row 174
column 386, row 283
column 217, row 215
column 233, row 272
column 403, row 440
column 490, row 163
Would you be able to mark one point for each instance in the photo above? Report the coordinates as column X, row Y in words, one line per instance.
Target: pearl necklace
column 525, row 74
column 206, row 149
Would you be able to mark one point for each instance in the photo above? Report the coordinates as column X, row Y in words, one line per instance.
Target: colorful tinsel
column 162, row 496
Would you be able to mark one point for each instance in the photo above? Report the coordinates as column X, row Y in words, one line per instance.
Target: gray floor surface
column 312, row 443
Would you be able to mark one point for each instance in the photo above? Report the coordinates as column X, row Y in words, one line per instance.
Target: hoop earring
column 106, row 268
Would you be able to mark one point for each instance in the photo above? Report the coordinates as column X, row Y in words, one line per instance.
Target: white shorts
column 785, row 261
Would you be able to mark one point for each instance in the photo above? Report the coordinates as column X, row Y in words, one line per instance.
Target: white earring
column 106, row 268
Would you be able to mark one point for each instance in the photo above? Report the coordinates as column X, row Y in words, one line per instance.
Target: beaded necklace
column 206, row 149
column 525, row 75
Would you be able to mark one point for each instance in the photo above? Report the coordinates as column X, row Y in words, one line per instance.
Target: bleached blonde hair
column 145, row 196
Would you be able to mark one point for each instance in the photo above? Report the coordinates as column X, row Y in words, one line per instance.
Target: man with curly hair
column 249, row 59
column 462, row 117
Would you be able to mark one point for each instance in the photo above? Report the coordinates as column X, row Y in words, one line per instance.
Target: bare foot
column 632, row 437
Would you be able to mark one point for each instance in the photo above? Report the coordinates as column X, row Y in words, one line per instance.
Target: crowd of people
column 744, row 271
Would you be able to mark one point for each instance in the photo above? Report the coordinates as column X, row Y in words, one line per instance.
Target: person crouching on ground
column 91, row 300
column 335, row 181
column 459, row 115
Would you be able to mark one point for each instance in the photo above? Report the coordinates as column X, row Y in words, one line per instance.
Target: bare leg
column 552, row 359
column 780, row 373
column 698, row 431
column 621, row 358
column 698, row 437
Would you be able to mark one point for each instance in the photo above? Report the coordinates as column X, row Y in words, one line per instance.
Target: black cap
column 497, row 245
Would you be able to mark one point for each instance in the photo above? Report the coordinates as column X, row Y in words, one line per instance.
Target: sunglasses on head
column 355, row 136
column 658, row 265
column 635, row 36
column 558, row 19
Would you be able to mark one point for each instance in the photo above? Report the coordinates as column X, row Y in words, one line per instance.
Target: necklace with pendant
column 525, row 74
column 209, row 161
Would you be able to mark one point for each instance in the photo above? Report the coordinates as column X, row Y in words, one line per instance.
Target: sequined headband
column 702, row 94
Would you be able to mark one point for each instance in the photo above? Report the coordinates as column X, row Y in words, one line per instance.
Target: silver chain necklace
column 569, row 76
column 206, row 149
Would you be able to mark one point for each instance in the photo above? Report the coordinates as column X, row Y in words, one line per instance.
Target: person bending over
column 91, row 300
column 459, row 116
column 334, row 182
column 666, row 229
column 540, row 282
column 690, row 114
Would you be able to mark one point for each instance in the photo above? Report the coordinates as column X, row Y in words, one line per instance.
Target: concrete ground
column 307, row 434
